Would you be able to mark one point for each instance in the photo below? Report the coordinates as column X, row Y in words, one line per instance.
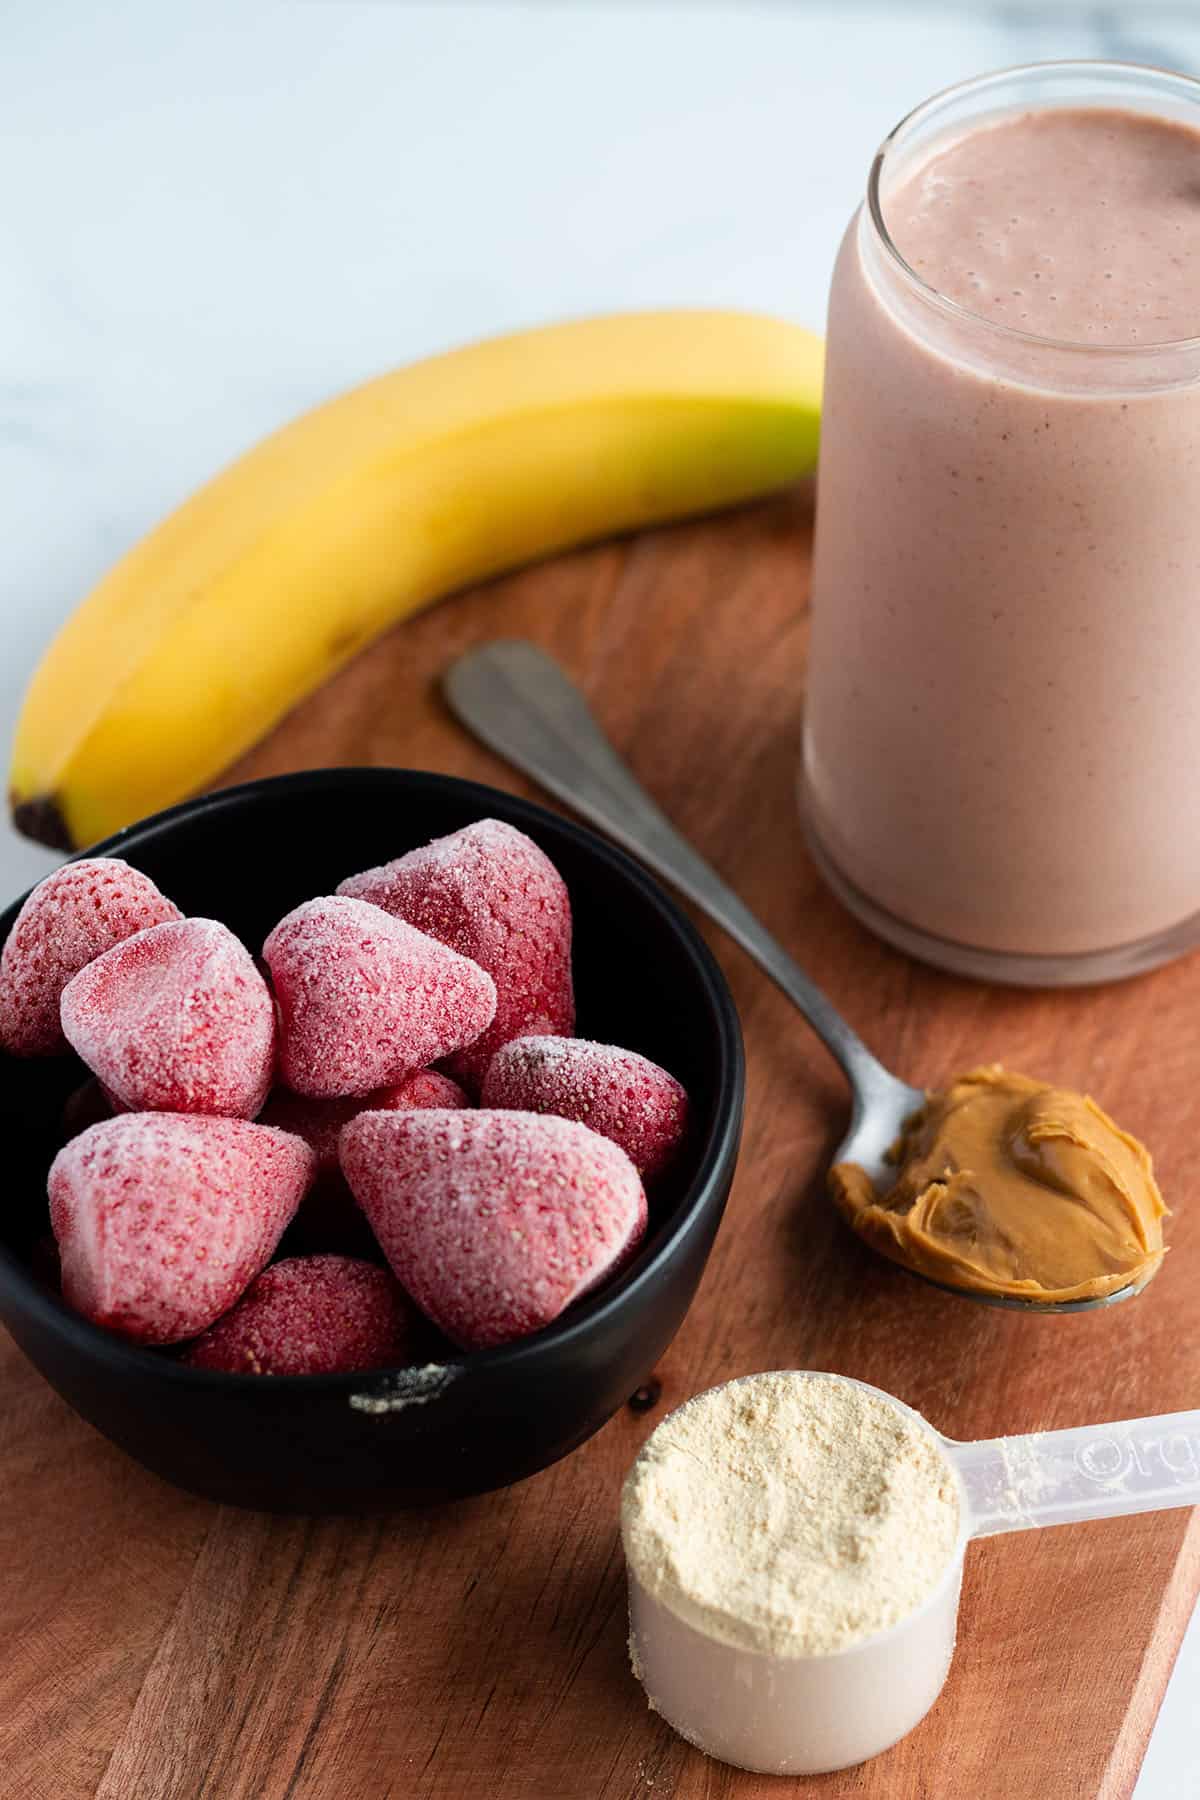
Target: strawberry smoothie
column 1002, row 742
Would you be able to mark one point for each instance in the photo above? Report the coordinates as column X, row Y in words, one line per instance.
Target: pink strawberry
column 319, row 1122
column 72, row 917
column 492, row 895
column 162, row 1219
column 423, row 1092
column 330, row 1218
column 620, row 1094
column 175, row 1019
column 493, row 1221
column 312, row 1315
column 365, row 999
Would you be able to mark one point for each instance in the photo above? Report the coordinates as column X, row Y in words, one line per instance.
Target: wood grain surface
column 159, row 1648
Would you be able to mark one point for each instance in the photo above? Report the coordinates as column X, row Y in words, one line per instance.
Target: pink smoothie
column 1003, row 718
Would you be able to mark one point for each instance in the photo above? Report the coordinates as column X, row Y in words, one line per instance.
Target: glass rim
column 954, row 309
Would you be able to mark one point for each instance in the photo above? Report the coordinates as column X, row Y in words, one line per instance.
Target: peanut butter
column 1010, row 1186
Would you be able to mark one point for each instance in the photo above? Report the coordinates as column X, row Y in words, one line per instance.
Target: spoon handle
column 1087, row 1472
column 521, row 704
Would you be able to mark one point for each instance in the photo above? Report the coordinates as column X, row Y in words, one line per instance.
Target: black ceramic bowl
column 468, row 1421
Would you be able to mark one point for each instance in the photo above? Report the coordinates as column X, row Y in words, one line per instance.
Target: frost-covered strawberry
column 493, row 1221
column 176, row 1019
column 163, row 1219
column 620, row 1094
column 312, row 1315
column 72, row 917
column 490, row 893
column 320, row 1122
column 365, row 999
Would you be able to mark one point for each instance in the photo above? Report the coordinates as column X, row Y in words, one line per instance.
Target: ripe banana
column 372, row 506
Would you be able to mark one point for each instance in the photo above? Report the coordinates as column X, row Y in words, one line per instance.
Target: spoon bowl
column 883, row 1105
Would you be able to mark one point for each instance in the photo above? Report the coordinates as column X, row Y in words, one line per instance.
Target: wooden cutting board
column 159, row 1648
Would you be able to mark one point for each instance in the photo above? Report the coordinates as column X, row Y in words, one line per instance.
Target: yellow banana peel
column 376, row 504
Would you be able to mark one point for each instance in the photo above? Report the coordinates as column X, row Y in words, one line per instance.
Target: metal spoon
column 520, row 704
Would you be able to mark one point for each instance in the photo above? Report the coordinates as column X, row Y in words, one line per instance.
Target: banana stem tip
column 41, row 819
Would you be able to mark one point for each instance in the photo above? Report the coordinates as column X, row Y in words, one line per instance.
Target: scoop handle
column 1087, row 1472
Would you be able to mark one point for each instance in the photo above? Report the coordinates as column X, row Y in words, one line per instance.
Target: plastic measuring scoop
column 808, row 1715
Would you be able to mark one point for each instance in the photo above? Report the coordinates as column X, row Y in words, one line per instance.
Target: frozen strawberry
column 319, row 1122
column 312, row 1315
column 175, row 1019
column 365, row 999
column 74, row 915
column 420, row 1093
column 162, row 1219
column 330, row 1218
column 620, row 1094
column 492, row 895
column 493, row 1221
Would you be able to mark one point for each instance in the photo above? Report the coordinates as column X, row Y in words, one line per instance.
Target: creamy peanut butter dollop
column 1007, row 1185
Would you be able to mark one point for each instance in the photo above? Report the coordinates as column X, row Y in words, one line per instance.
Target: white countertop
column 217, row 214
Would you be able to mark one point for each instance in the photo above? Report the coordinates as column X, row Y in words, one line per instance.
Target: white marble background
column 216, row 214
